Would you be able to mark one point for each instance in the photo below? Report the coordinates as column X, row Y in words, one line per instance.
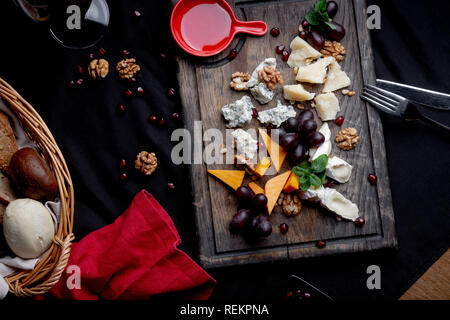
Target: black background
column 412, row 47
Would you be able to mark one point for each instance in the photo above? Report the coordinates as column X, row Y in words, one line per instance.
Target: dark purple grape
column 305, row 115
column 307, row 127
column 332, row 8
column 239, row 221
column 259, row 201
column 291, row 125
column 289, row 141
column 316, row 39
column 297, row 154
column 338, row 33
column 315, row 139
column 244, row 195
column 260, row 227
column 277, row 134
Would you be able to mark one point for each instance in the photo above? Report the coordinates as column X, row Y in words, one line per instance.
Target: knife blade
column 432, row 99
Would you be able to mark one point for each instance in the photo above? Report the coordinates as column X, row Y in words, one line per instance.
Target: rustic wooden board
column 204, row 89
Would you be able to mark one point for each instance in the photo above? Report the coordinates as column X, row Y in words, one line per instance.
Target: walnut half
column 239, row 81
column 333, row 49
column 270, row 77
column 291, row 204
column 98, row 68
column 347, row 139
column 127, row 68
column 146, row 162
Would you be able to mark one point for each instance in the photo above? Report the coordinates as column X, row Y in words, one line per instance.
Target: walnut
column 127, row 68
column 347, row 139
column 291, row 204
column 239, row 81
column 333, row 49
column 146, row 162
column 270, row 77
column 98, row 68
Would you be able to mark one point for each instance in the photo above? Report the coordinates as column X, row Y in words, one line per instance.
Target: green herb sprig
column 319, row 17
column 311, row 174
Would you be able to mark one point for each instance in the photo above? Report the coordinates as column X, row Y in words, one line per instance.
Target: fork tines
column 384, row 100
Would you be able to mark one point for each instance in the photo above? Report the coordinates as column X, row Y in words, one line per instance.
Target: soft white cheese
column 316, row 72
column 336, row 78
column 337, row 203
column 245, row 144
column 312, row 194
column 327, row 106
column 301, row 51
column 238, row 112
column 278, row 115
column 254, row 80
column 261, row 93
column 339, row 170
column 324, row 148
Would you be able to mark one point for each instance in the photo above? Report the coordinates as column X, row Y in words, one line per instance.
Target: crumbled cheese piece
column 238, row 112
column 301, row 53
column 245, row 144
column 278, row 115
column 261, row 93
column 327, row 106
column 296, row 92
column 316, row 72
column 336, row 78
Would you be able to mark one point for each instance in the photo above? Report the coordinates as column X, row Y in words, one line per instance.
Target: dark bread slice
column 8, row 145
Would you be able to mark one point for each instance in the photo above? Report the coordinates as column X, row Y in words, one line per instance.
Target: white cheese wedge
column 325, row 147
column 327, row 106
column 254, row 80
column 339, row 170
column 245, row 144
column 336, row 78
column 262, row 94
column 316, row 72
column 337, row 203
column 278, row 115
column 312, row 194
column 301, row 51
column 238, row 112
column 296, row 92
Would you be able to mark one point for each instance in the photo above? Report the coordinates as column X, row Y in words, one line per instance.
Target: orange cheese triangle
column 273, row 189
column 292, row 184
column 277, row 154
column 255, row 188
column 232, row 178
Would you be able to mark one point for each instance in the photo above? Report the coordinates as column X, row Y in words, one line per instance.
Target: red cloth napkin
column 136, row 257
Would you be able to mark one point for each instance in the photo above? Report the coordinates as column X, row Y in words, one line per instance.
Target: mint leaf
column 305, row 165
column 320, row 164
column 305, row 185
column 313, row 18
column 298, row 171
column 322, row 176
column 315, row 180
column 321, row 5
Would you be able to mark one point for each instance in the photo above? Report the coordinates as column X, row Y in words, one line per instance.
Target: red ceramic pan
column 207, row 27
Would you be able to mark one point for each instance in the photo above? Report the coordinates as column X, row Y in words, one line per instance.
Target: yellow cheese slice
column 273, row 189
column 277, row 154
column 232, row 178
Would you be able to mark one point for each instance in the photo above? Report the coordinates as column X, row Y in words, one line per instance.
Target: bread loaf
column 6, row 192
column 8, row 145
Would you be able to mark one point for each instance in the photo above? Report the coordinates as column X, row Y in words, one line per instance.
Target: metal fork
column 396, row 105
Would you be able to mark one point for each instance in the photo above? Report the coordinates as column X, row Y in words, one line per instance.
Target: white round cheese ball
column 28, row 228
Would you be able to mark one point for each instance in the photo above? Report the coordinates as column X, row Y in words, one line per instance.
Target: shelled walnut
column 347, row 139
column 98, row 68
column 146, row 162
column 333, row 49
column 127, row 68
column 291, row 204
column 239, row 81
column 270, row 77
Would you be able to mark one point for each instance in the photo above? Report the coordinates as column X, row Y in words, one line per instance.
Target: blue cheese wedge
column 337, row 203
column 325, row 147
column 327, row 106
column 254, row 80
column 261, row 93
column 278, row 115
column 296, row 92
column 302, row 53
column 238, row 112
column 245, row 144
column 316, row 72
column 336, row 78
column 339, row 170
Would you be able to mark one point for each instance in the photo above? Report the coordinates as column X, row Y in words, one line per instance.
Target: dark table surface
column 412, row 47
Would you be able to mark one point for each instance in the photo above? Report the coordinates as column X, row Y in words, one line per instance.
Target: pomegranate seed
column 320, row 244
column 175, row 116
column 162, row 122
column 123, row 164
column 132, row 79
column 125, row 53
column 233, row 54
column 285, row 55
column 360, row 222
column 339, row 121
column 140, row 91
column 121, row 108
column 254, row 113
column 298, row 292
column 71, row 84
column 280, row 48
column 303, row 35
column 275, row 32
column 171, row 92
column 372, row 178
column 288, row 295
column 136, row 13
column 128, row 93
column 171, row 186
column 80, row 69
column 91, row 56
column 305, row 23
column 307, row 295
column 284, row 228
column 101, row 51
column 330, row 184
column 153, row 119
column 163, row 55
column 258, row 145
column 124, row 177
column 79, row 82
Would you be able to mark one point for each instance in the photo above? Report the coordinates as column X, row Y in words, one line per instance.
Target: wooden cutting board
column 204, row 89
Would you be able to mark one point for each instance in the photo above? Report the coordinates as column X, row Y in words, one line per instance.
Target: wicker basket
column 49, row 268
